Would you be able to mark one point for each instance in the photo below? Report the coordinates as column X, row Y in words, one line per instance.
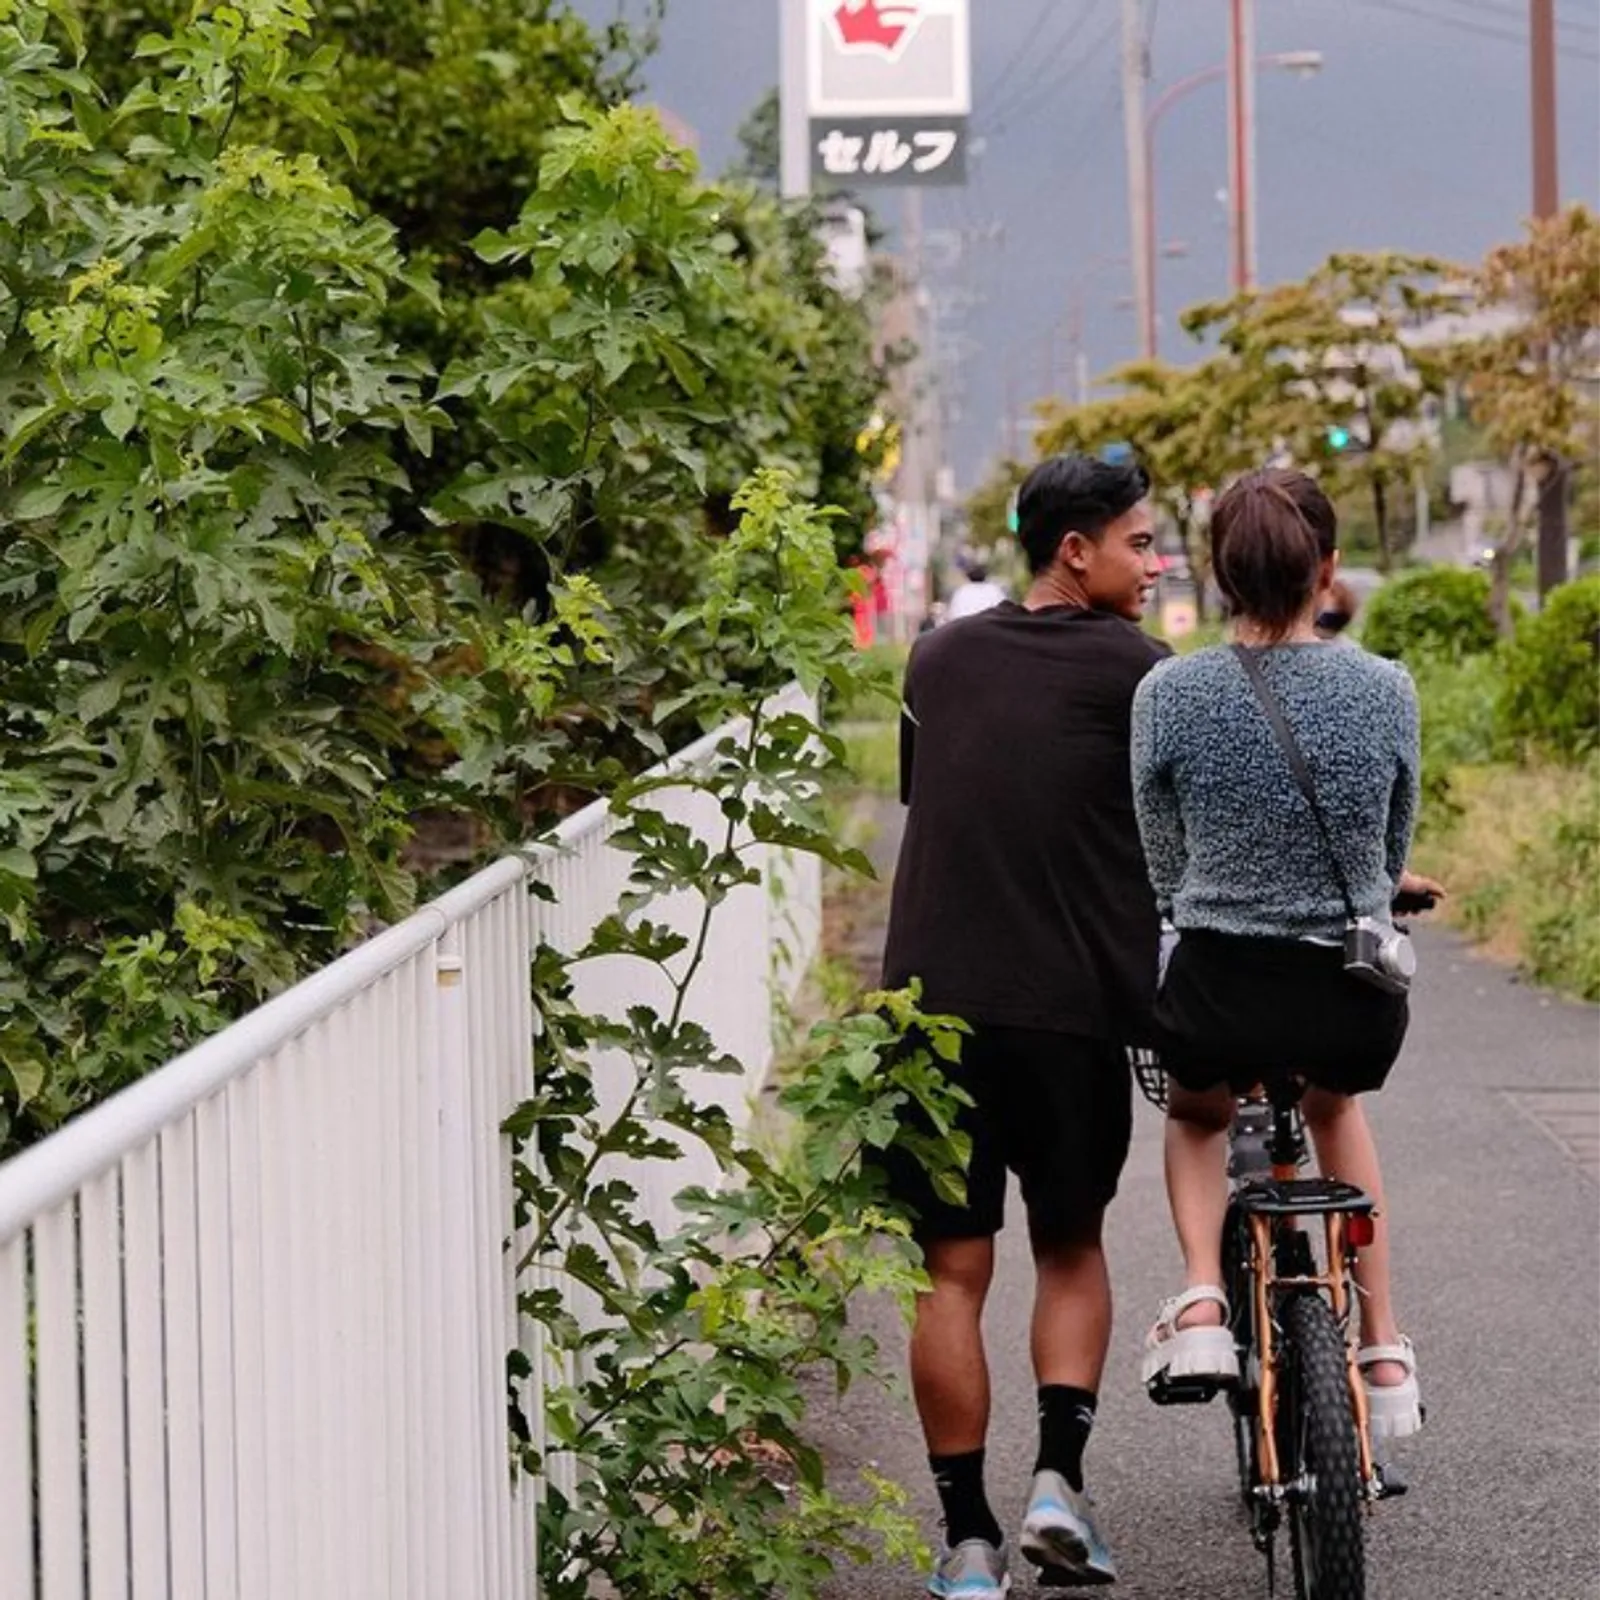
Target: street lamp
column 1302, row 63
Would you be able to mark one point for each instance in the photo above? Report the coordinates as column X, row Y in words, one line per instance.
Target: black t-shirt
column 1021, row 898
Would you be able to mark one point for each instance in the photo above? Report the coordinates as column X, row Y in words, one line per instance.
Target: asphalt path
column 1488, row 1131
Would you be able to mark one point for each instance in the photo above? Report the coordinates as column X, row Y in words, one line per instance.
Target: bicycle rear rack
column 1295, row 1197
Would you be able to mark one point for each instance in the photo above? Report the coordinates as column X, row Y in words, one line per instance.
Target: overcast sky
column 1414, row 136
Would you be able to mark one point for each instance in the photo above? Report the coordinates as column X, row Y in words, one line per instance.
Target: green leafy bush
column 444, row 106
column 1437, row 611
column 236, row 662
column 1551, row 694
column 696, row 1478
column 237, row 659
column 1521, row 856
column 1461, row 725
column 1564, row 931
column 202, row 612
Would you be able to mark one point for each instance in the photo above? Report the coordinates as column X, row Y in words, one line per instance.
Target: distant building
column 1483, row 490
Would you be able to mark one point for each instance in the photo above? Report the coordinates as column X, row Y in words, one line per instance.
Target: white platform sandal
column 1204, row 1352
column 1395, row 1408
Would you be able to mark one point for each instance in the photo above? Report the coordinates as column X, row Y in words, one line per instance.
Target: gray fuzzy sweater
column 1230, row 841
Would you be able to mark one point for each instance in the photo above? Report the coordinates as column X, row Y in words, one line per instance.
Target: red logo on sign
column 870, row 25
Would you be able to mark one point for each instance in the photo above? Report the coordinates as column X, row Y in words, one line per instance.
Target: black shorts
column 1243, row 1011
column 1054, row 1108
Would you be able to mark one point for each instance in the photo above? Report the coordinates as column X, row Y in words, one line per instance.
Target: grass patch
column 873, row 749
column 1519, row 850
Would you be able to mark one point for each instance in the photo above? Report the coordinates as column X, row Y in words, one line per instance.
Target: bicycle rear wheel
column 1321, row 1456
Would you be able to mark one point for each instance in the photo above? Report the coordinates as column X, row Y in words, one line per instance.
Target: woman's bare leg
column 1197, row 1188
column 1346, row 1150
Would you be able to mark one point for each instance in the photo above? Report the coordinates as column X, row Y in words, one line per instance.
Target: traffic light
column 1013, row 522
column 1338, row 438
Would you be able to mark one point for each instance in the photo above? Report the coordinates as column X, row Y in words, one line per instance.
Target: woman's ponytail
column 1264, row 550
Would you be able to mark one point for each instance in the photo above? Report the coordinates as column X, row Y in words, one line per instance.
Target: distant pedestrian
column 861, row 607
column 1022, row 903
column 1336, row 609
column 977, row 594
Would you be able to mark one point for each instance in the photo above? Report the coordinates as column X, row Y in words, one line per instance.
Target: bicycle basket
column 1152, row 1080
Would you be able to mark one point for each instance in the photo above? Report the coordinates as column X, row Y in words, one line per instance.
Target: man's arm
column 1160, row 824
column 908, row 742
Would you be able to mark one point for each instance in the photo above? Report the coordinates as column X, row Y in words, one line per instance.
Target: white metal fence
column 254, row 1311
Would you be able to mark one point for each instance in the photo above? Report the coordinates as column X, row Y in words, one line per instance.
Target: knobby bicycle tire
column 1319, row 1446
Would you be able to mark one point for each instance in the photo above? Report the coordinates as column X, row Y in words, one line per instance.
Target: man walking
column 1021, row 903
column 977, row 594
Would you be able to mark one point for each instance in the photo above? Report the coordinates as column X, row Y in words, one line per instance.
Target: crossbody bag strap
column 1297, row 764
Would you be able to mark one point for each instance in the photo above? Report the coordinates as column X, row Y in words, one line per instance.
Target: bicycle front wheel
column 1322, row 1459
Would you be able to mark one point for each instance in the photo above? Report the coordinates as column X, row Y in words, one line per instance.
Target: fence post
column 457, row 1287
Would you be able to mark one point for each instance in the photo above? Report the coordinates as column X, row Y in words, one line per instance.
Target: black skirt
column 1244, row 1011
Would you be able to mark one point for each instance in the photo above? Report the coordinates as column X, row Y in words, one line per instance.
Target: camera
column 1380, row 955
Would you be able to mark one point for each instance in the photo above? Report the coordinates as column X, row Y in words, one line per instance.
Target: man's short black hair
column 977, row 572
column 1074, row 494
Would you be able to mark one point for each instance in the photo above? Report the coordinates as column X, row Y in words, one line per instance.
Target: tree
column 1527, row 383
column 197, row 653
column 229, row 682
column 236, row 659
column 445, row 107
column 988, row 507
column 228, row 685
column 1323, row 375
column 760, row 158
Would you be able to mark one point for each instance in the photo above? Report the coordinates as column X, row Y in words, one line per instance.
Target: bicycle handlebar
column 1410, row 902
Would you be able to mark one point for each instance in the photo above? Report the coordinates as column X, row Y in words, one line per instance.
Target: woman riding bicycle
column 1257, row 984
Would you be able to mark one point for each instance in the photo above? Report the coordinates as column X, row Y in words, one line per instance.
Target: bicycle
column 1302, row 1436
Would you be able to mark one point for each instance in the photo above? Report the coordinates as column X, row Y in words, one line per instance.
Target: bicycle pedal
column 1060, row 1578
column 1170, row 1391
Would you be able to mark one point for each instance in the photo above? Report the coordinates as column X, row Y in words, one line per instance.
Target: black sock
column 959, row 1480
column 1065, row 1417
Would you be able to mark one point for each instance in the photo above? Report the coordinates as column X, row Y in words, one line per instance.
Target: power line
column 1026, row 48
column 1518, row 16
column 1044, row 64
column 1046, row 84
column 1043, row 76
column 1463, row 25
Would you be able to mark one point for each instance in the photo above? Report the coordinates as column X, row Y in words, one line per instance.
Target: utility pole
column 793, row 118
column 1546, row 203
column 1135, row 70
column 915, row 461
column 922, row 448
column 1542, row 31
column 1242, row 142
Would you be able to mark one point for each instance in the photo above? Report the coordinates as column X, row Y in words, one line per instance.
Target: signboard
column 1179, row 617
column 888, row 91
column 887, row 152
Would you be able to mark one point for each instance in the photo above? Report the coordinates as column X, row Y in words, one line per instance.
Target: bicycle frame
column 1271, row 1207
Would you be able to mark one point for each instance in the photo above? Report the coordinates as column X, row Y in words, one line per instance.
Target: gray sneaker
column 974, row 1570
column 1059, row 1536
